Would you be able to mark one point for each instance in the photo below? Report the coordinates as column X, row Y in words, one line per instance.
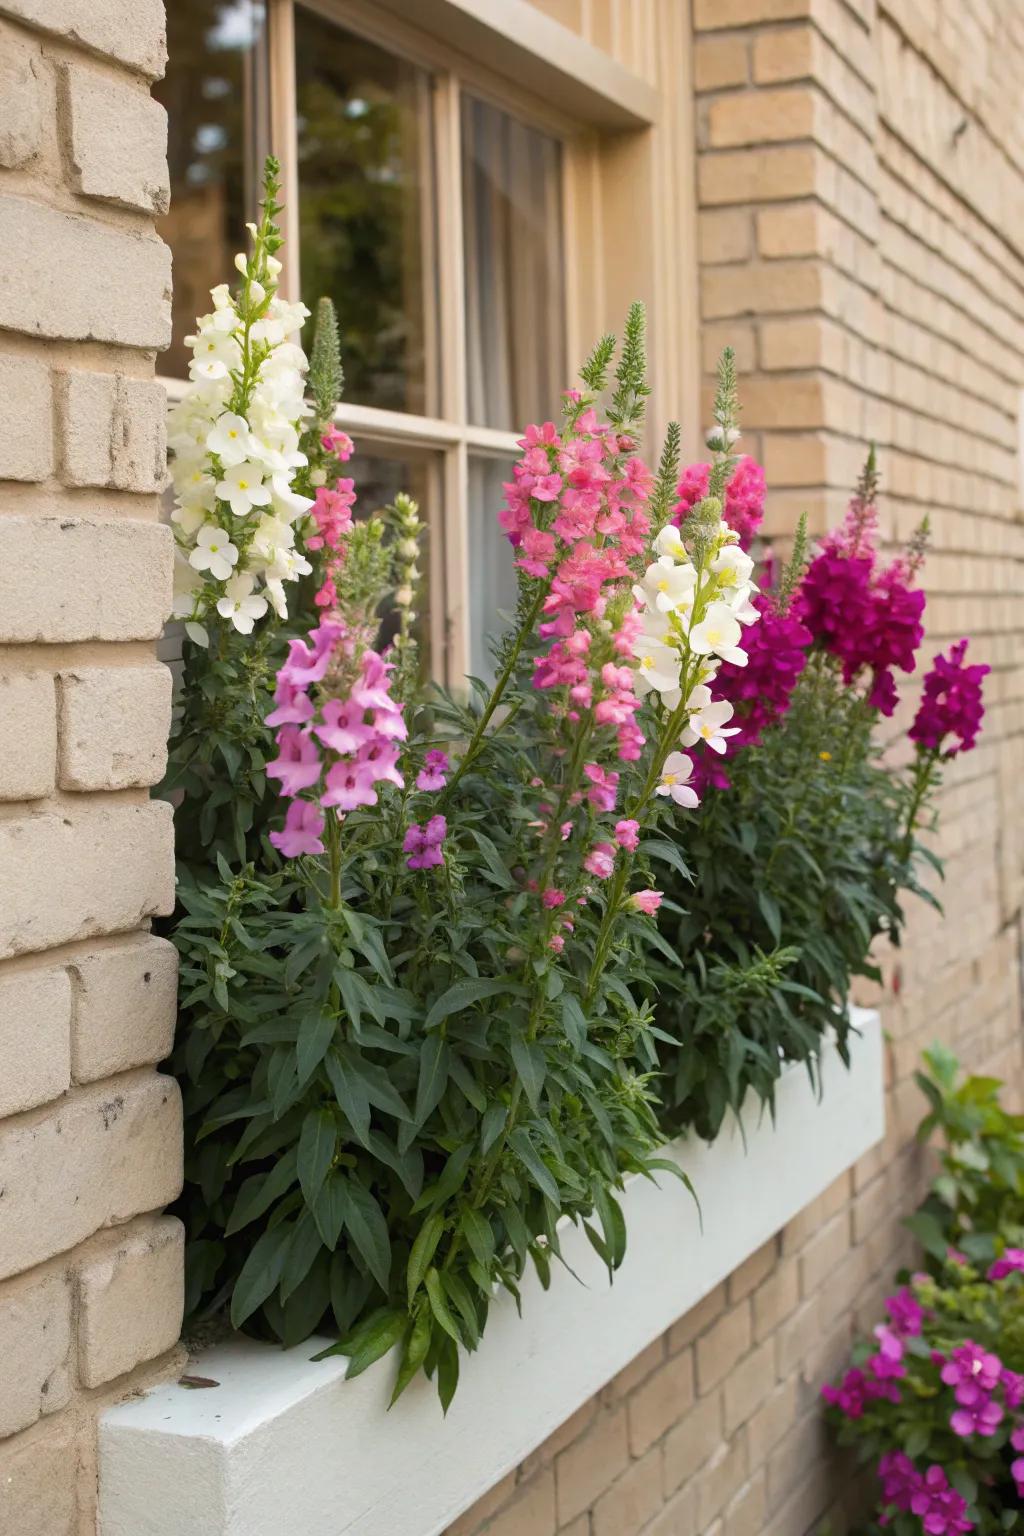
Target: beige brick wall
column 90, row 1132
column 861, row 236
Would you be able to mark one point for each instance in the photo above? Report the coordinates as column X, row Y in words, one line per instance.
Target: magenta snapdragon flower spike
column 423, row 843
column 434, row 773
column 743, row 507
column 303, row 830
column 951, row 704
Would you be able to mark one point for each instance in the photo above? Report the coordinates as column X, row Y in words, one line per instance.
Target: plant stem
column 334, row 853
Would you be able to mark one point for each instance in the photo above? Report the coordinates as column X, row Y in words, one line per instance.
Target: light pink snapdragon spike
column 334, row 746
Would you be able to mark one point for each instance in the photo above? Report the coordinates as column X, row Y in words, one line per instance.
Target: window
column 427, row 200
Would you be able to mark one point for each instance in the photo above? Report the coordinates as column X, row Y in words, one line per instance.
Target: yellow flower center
column 826, row 757
column 647, row 661
column 670, row 778
column 243, row 485
column 232, row 432
column 662, row 586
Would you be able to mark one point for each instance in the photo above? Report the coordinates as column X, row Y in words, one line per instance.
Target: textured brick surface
column 65, row 877
column 26, row 443
column 35, row 1343
column 131, row 31
column 28, row 735
column 96, row 1159
column 68, row 578
column 35, row 1037
column 58, row 293
column 38, row 1473
column 112, row 431
column 131, row 1296
column 117, row 141
column 22, row 103
column 113, row 726
column 124, row 1006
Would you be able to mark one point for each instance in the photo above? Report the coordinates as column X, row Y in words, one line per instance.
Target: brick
column 113, row 431
column 22, row 100
column 725, row 234
column 125, row 998
column 660, row 1402
column 635, row 1372
column 131, row 31
column 531, row 1512
column 26, row 441
column 692, row 1441
column 806, row 1445
column 584, row 1470
column 35, row 1037
column 57, row 293
column 748, row 1384
column 94, row 1160
column 795, row 1338
column 28, row 735
column 131, row 1298
column 789, row 54
column 719, row 62
column 722, row 1346
column 752, row 1271
column 718, row 1480
column 823, row 1253
column 763, row 117
column 35, row 1342
column 493, row 1500
column 116, row 141
column 66, row 578
column 744, row 1514
column 38, row 1471
column 697, row 1320
column 114, row 723
column 632, row 1500
column 758, row 175
column 767, row 1426
column 679, row 1516
column 102, row 870
column 796, row 229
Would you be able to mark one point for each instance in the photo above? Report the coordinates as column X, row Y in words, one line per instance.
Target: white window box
column 285, row 1445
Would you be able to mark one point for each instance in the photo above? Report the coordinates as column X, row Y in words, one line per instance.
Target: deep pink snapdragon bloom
column 973, row 1372
column 951, row 704
column 627, row 834
column 906, row 1312
column 423, row 843
column 941, row 1510
column 433, row 774
column 302, row 832
column 743, row 507
column 899, row 1478
column 604, row 786
column 297, row 763
column 1017, row 1465
column 1009, row 1262
column 1012, row 1383
column 339, row 443
column 887, row 1362
column 332, row 514
column 851, row 1395
column 982, row 1418
column 600, row 861
column 645, row 901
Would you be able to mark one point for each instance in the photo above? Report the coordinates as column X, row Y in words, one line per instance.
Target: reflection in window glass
column 379, row 474
column 515, row 282
column 366, row 208
column 492, row 574
column 215, row 92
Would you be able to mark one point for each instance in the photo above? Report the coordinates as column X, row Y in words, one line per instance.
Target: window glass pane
column 492, row 574
column 215, row 92
column 366, row 209
column 380, row 472
column 515, row 278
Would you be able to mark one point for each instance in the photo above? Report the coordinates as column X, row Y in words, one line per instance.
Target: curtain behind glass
column 514, row 260
column 216, row 95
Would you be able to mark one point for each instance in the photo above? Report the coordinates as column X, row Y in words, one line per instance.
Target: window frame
column 603, row 149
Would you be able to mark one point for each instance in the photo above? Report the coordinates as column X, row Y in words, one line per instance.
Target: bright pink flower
column 951, row 705
column 627, row 834
column 604, row 786
column 553, row 897
column 423, row 843
column 305, row 666
column 850, row 1396
column 302, row 832
column 297, row 763
column 344, row 728
column 349, row 786
column 339, row 443
column 982, row 1418
column 906, row 1312
column 645, row 901
column 973, row 1372
column 600, row 861
column 433, row 773
column 293, row 704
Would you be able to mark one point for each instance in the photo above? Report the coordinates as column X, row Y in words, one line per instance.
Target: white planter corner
column 284, row 1444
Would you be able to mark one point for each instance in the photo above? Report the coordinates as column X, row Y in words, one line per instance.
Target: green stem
column 923, row 768
column 333, row 830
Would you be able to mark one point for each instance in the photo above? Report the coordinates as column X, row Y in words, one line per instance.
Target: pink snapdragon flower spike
column 627, row 834
column 906, row 1312
column 941, row 1510
column 1017, row 1465
column 423, row 843
column 647, row 902
column 973, row 1372
column 743, row 508
column 951, row 704
column 339, row 443
column 297, row 764
column 600, row 861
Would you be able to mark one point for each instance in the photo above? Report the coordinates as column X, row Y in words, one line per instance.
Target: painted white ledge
column 285, row 1445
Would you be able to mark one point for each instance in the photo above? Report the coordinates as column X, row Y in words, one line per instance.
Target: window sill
column 283, row 1443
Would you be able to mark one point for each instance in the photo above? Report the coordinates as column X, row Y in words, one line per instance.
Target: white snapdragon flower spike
column 214, row 552
column 668, row 586
column 674, row 775
column 235, row 439
column 708, row 721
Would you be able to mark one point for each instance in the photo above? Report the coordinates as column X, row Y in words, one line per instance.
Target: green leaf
column 370, row 1343
column 330, row 1207
column 423, row 1250
column 771, row 913
column 439, row 1305
column 306, row 1243
column 369, row 1232
column 317, row 1142
column 350, row 1093
column 929, row 1233
column 433, row 1077
column 529, row 1062
column 416, row 1347
column 491, row 1126
column 315, row 1035
column 531, row 1160
column 260, row 1273
column 259, row 1193
column 479, row 1236
column 462, row 994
